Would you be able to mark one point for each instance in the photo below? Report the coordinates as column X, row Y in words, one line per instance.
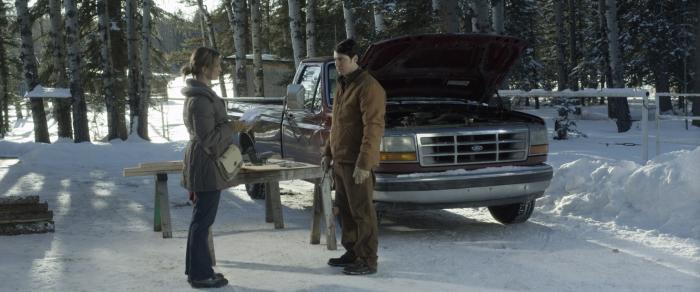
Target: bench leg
column 276, row 203
column 164, row 204
column 316, row 217
column 156, row 208
column 268, row 205
column 328, row 214
column 211, row 248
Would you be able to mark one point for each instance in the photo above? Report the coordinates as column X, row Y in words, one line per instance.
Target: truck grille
column 474, row 147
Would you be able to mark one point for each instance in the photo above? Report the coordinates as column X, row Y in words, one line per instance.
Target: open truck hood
column 469, row 66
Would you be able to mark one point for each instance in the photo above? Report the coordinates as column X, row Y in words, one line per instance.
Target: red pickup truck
column 448, row 142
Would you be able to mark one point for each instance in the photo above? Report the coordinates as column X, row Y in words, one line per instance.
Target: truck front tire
column 513, row 213
column 255, row 191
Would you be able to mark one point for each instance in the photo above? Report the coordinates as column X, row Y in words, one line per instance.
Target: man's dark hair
column 347, row 47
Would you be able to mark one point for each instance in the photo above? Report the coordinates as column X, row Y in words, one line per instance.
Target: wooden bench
column 270, row 174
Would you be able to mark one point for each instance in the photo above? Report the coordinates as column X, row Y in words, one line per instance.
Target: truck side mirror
column 295, row 96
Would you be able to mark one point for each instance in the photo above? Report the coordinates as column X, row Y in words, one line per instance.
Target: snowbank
column 662, row 195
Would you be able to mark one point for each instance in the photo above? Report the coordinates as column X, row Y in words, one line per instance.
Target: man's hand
column 325, row 163
column 360, row 175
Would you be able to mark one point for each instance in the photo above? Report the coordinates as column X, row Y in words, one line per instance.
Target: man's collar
column 347, row 79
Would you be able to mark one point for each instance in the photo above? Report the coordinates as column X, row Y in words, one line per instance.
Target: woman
column 210, row 134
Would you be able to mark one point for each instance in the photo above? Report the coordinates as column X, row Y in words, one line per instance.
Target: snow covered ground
column 608, row 222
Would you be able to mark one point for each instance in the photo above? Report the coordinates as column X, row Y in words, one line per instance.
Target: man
column 353, row 146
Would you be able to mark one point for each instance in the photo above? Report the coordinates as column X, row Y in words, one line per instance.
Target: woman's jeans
column 198, row 262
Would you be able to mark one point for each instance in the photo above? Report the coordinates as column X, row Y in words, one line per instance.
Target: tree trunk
column 696, row 100
column 498, row 16
column 604, row 64
column 4, row 74
column 145, row 85
column 119, row 62
column 202, row 30
column 255, row 23
column 295, row 30
column 61, row 109
column 573, row 47
column 436, row 7
column 133, row 61
column 562, row 72
column 106, row 62
column 311, row 28
column 621, row 110
column 480, row 21
column 349, row 15
column 661, row 83
column 239, row 39
column 378, row 9
column 80, row 119
column 448, row 13
column 31, row 75
column 212, row 41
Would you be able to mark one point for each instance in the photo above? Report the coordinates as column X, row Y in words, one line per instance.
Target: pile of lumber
column 24, row 215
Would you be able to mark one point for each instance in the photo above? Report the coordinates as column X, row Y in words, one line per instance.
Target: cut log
column 26, row 228
column 19, row 200
column 21, row 208
column 26, row 217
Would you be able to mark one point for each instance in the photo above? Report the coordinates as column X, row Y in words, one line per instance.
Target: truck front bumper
column 485, row 187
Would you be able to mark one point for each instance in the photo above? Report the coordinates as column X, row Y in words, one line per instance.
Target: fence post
column 658, row 124
column 645, row 127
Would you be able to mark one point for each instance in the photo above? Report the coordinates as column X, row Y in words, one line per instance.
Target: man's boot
column 343, row 261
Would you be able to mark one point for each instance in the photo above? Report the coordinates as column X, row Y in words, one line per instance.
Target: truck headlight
column 539, row 140
column 398, row 149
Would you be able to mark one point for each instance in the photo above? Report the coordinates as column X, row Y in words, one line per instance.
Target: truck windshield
column 332, row 77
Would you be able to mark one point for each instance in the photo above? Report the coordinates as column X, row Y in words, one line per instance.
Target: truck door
column 301, row 128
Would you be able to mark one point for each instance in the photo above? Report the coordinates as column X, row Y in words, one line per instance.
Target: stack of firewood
column 23, row 215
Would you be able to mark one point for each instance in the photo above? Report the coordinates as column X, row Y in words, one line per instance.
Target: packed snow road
column 104, row 241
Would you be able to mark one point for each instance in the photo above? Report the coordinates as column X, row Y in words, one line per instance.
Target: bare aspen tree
column 211, row 34
column 295, row 31
column 498, row 16
column 311, row 28
column 31, row 75
column 81, row 132
column 239, row 41
column 255, row 23
column 349, row 15
column 480, row 21
column 378, row 11
column 61, row 109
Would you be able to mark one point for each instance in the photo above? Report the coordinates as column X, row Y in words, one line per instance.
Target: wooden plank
column 27, row 228
column 274, row 193
column 164, row 202
column 279, row 175
column 14, row 200
column 153, row 168
column 162, row 164
column 21, row 208
column 316, row 215
column 328, row 212
column 26, row 217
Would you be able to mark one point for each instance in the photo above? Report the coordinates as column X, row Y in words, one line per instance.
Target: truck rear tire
column 255, row 191
column 513, row 213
